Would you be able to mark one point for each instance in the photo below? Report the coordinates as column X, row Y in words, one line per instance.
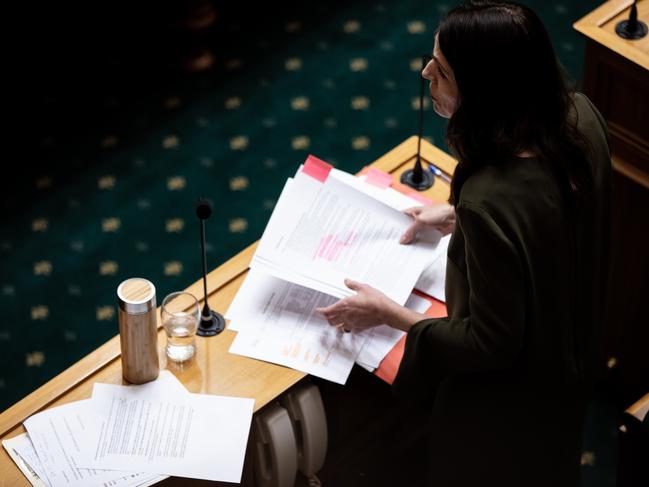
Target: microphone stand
column 416, row 177
column 632, row 28
column 212, row 323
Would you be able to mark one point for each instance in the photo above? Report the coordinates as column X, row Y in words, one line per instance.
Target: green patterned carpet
column 119, row 145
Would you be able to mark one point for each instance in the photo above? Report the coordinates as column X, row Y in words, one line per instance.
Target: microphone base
column 622, row 29
column 426, row 182
column 210, row 327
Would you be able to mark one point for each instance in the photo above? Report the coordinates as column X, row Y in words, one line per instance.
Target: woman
column 508, row 372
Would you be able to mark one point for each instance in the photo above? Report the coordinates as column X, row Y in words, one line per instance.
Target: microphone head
column 203, row 208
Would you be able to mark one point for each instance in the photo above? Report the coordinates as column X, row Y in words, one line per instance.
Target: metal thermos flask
column 138, row 330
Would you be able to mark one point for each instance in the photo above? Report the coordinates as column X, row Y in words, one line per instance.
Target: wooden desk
column 616, row 79
column 213, row 370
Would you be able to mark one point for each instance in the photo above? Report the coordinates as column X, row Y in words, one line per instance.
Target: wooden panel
column 620, row 90
column 616, row 78
column 599, row 26
column 213, row 370
column 626, row 330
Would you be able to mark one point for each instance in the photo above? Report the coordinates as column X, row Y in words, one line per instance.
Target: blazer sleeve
column 491, row 336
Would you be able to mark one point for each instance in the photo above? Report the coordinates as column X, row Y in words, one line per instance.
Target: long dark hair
column 513, row 96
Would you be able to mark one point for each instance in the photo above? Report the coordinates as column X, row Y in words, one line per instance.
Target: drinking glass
column 180, row 314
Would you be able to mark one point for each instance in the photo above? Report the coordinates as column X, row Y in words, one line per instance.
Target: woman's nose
column 427, row 72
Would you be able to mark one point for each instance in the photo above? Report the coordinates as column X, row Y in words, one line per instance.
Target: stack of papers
column 327, row 226
column 321, row 233
column 135, row 436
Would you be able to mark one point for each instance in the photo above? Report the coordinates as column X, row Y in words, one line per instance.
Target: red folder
column 390, row 365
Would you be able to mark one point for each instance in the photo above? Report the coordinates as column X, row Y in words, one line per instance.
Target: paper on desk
column 186, row 435
column 21, row 451
column 60, row 434
column 277, row 322
column 280, row 307
column 322, row 233
column 383, row 338
column 60, row 437
column 25, row 449
column 433, row 280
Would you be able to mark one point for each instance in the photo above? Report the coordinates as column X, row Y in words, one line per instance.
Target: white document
column 61, row 434
column 25, row 449
column 186, row 435
column 383, row 338
column 389, row 196
column 21, row 451
column 267, row 310
column 433, row 280
column 277, row 322
column 61, row 437
column 321, row 233
column 417, row 303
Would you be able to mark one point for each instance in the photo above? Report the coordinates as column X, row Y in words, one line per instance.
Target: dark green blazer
column 508, row 371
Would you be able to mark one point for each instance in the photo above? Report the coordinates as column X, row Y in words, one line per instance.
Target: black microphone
column 416, row 177
column 212, row 323
column 632, row 28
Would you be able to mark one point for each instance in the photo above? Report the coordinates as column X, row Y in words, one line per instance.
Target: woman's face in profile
column 443, row 88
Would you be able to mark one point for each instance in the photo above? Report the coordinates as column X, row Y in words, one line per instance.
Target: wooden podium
column 616, row 79
column 213, row 370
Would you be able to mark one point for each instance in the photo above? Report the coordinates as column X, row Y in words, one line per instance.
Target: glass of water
column 180, row 314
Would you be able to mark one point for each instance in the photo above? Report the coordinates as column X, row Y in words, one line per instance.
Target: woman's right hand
column 440, row 216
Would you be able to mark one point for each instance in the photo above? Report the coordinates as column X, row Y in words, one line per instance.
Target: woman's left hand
column 366, row 309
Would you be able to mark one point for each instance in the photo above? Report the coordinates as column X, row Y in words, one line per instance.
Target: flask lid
column 136, row 295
